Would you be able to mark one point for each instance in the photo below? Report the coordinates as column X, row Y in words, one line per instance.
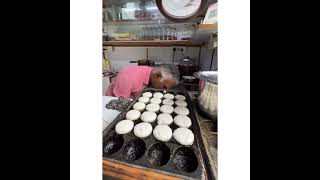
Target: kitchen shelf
column 207, row 27
column 154, row 43
column 159, row 22
column 138, row 21
column 203, row 33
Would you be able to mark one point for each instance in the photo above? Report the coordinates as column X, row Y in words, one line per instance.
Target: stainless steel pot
column 208, row 93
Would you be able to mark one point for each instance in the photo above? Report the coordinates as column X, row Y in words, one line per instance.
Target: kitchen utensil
column 208, row 93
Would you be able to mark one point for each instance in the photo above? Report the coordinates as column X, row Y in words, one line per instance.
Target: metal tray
column 166, row 157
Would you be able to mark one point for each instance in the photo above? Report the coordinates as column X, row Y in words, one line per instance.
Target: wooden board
column 125, row 172
column 207, row 26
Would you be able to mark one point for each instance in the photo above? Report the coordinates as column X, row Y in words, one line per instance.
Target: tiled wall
column 120, row 56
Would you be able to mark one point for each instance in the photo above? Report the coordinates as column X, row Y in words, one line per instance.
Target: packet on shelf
column 120, row 35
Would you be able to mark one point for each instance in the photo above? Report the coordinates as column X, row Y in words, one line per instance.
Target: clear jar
column 139, row 35
column 147, row 33
column 143, row 36
column 158, row 32
column 163, row 33
column 175, row 34
column 168, row 33
column 172, row 33
column 153, row 33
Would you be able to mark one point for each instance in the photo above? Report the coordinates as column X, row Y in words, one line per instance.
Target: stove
column 209, row 132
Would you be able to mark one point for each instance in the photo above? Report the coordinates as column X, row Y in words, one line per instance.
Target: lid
column 209, row 76
column 186, row 60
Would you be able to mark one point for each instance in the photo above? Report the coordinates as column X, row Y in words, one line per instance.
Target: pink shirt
column 129, row 82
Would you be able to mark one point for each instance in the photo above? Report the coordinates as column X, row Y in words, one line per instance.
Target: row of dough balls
column 182, row 135
column 155, row 107
column 161, row 132
column 170, row 102
column 166, row 96
column 180, row 120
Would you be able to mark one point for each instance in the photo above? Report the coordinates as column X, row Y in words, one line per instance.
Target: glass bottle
column 172, row 33
column 163, row 33
column 161, row 29
column 168, row 33
column 143, row 37
column 147, row 32
column 158, row 33
column 150, row 33
column 153, row 33
column 175, row 34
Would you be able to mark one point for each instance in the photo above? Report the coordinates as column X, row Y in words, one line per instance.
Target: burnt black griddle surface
column 166, row 157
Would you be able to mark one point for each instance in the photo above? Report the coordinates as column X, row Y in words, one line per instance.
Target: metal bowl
column 188, row 78
column 205, row 78
column 208, row 76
